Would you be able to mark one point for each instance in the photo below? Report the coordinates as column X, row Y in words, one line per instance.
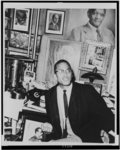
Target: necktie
column 99, row 37
column 66, row 113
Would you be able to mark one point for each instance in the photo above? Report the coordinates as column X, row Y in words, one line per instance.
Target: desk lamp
column 92, row 75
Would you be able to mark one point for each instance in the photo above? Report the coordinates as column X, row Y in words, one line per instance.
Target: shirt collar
column 92, row 27
column 68, row 88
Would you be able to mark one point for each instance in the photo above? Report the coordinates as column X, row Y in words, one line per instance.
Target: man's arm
column 75, row 34
column 101, row 117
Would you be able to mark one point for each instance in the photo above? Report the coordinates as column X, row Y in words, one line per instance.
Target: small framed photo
column 19, row 40
column 98, row 87
column 29, row 75
column 95, row 54
column 54, row 22
column 21, row 19
column 32, row 131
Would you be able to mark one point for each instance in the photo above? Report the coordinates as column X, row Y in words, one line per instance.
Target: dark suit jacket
column 87, row 112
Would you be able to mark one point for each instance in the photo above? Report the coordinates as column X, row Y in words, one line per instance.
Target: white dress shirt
column 94, row 31
column 60, row 102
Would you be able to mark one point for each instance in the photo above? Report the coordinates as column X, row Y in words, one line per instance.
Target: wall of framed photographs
column 24, row 29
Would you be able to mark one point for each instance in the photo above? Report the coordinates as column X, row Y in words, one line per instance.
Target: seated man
column 76, row 111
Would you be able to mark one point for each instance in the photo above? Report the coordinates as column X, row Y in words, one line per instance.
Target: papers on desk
column 35, row 108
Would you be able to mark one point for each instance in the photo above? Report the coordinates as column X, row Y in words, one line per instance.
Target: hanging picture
column 95, row 54
column 19, row 40
column 54, row 22
column 21, row 19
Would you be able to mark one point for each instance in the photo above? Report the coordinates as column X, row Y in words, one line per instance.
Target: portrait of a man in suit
column 55, row 22
column 93, row 30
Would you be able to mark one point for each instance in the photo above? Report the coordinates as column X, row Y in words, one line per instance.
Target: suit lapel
column 72, row 97
column 55, row 104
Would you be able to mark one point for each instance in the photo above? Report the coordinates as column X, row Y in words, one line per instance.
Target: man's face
column 55, row 18
column 63, row 74
column 97, row 17
column 39, row 134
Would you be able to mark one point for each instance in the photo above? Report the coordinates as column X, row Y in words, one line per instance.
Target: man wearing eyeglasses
column 77, row 113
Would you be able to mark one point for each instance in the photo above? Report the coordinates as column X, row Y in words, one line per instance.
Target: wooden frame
column 54, row 22
column 95, row 54
column 21, row 19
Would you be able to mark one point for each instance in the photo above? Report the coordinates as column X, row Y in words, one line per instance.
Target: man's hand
column 46, row 127
column 104, row 136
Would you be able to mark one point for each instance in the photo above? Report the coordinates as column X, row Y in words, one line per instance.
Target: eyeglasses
column 64, row 71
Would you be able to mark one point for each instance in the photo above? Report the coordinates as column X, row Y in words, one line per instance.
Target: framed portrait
column 21, row 19
column 98, row 87
column 31, row 128
column 55, row 21
column 95, row 54
column 19, row 40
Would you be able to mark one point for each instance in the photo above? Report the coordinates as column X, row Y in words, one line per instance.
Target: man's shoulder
column 52, row 89
column 33, row 138
column 81, row 85
column 81, row 28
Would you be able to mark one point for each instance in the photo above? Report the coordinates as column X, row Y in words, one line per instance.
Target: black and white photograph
column 59, row 74
column 19, row 39
column 96, row 55
column 36, row 134
column 55, row 22
column 21, row 19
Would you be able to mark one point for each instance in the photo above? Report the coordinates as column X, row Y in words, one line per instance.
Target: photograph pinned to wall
column 95, row 54
column 19, row 40
column 55, row 21
column 21, row 19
